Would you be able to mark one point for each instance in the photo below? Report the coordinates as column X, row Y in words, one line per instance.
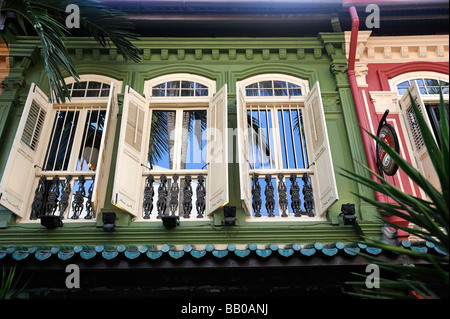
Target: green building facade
column 200, row 248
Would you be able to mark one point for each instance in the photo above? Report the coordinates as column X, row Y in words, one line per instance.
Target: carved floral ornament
column 383, row 100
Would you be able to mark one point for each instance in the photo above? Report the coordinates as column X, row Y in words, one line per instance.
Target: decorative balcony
column 284, row 195
column 273, row 195
column 55, row 197
column 174, row 195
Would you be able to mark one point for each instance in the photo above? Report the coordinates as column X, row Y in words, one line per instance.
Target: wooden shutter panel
column 217, row 139
column 17, row 183
column 128, row 175
column 319, row 153
column 104, row 160
column 420, row 151
column 242, row 140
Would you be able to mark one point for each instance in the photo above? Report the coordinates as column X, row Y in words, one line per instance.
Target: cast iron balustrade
column 69, row 197
column 174, row 195
column 282, row 195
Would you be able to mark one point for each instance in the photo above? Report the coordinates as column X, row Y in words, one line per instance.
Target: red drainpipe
column 357, row 100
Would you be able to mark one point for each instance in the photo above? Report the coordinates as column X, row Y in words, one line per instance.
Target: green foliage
column 428, row 218
column 103, row 24
column 8, row 284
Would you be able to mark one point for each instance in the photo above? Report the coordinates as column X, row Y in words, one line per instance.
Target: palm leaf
column 51, row 35
column 8, row 284
column 428, row 217
column 104, row 24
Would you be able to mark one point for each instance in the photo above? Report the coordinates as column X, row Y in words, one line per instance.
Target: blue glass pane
column 299, row 146
column 403, row 84
column 58, row 153
column 420, row 82
column 402, row 91
column 283, row 149
column 266, row 88
column 161, row 140
column 193, row 148
column 294, row 90
column 256, row 160
column 432, row 82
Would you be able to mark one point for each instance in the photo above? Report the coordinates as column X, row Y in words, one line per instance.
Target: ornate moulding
column 395, row 49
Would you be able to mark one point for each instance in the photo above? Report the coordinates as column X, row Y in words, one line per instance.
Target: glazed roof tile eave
column 154, row 252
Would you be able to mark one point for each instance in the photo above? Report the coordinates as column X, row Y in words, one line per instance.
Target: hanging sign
column 386, row 133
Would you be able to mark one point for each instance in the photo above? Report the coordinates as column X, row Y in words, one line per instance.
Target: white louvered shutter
column 16, row 187
column 104, row 159
column 217, row 138
column 242, row 140
column 319, row 153
column 420, row 151
column 128, row 175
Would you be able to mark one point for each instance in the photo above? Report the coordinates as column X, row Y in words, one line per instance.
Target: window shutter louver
column 217, row 139
column 104, row 160
column 128, row 175
column 319, row 152
column 26, row 152
column 419, row 149
column 242, row 140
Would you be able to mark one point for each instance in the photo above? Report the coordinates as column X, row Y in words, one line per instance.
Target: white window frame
column 420, row 75
column 81, row 104
column 304, row 85
column 93, row 78
column 179, row 104
column 279, row 101
column 425, row 99
column 179, row 100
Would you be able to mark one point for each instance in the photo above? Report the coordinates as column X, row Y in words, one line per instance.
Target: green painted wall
column 225, row 60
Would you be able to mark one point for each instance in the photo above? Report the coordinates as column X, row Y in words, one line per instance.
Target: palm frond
column 52, row 35
column 428, row 218
column 9, row 282
column 107, row 26
column 104, row 24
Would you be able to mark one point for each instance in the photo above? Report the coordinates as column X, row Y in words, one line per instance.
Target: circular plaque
column 389, row 136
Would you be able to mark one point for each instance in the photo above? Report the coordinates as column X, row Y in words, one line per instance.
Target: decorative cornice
column 394, row 49
column 212, row 49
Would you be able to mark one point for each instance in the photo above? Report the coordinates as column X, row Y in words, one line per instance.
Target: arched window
column 273, row 88
column 179, row 88
column 89, row 89
column 284, row 152
column 60, row 153
column 179, row 85
column 92, row 86
column 424, row 88
column 170, row 141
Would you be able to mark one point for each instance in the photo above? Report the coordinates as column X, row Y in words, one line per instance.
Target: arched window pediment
column 91, row 86
column 180, row 85
column 274, row 85
column 427, row 82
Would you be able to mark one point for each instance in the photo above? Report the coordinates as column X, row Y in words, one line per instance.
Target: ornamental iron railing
column 174, row 195
column 71, row 197
column 282, row 195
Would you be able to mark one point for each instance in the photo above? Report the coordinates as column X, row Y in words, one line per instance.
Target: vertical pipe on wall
column 357, row 99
